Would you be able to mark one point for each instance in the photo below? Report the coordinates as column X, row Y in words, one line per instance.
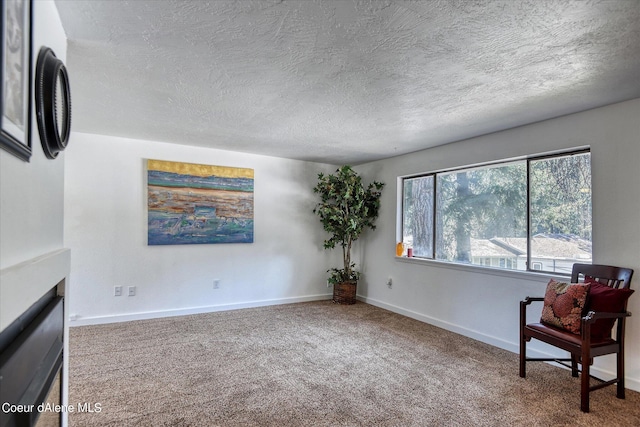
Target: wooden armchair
column 584, row 346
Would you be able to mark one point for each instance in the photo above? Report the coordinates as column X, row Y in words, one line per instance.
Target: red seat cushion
column 563, row 334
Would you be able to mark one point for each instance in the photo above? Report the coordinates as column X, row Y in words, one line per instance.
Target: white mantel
column 23, row 284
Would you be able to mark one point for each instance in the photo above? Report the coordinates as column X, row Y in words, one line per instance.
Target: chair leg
column 620, row 369
column 523, row 356
column 584, row 381
column 574, row 365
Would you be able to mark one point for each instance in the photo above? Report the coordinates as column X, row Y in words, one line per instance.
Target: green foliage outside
column 346, row 208
column 480, row 203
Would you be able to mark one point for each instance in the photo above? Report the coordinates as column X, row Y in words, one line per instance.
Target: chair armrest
column 529, row 300
column 523, row 310
column 592, row 316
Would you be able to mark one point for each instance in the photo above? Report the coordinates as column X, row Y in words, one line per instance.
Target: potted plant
column 345, row 209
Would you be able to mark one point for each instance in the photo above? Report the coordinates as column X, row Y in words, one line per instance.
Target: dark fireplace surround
column 31, row 350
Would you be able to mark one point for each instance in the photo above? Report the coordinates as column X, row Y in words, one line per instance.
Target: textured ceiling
column 342, row 81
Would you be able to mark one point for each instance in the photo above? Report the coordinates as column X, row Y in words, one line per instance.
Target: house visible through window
column 511, row 215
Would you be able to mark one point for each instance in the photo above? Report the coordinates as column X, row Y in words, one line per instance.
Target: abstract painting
column 195, row 204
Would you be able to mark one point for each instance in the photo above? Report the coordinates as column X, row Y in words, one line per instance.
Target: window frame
column 528, row 160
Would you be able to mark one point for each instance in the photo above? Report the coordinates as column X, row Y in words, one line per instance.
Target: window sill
column 517, row 274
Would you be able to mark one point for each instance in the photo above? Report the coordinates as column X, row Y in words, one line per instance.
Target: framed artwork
column 15, row 92
column 193, row 204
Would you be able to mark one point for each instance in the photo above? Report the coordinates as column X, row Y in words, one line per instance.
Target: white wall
column 483, row 304
column 32, row 257
column 31, row 194
column 106, row 228
column 31, row 200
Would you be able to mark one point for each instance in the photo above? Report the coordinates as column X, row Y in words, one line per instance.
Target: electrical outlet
column 117, row 291
column 132, row 291
column 216, row 284
column 390, row 282
column 328, row 284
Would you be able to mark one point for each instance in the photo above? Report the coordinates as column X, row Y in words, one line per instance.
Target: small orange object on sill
column 399, row 249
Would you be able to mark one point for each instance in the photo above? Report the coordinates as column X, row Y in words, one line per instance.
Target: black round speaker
column 53, row 103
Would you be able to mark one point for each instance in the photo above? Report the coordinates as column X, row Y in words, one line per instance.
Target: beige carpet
column 317, row 364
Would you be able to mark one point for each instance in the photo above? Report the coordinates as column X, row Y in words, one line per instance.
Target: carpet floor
column 317, row 364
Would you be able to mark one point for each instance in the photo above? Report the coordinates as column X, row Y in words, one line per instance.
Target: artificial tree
column 346, row 209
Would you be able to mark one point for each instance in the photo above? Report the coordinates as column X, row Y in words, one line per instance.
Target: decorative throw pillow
column 603, row 298
column 563, row 305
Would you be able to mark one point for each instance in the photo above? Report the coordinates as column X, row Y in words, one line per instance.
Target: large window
column 531, row 214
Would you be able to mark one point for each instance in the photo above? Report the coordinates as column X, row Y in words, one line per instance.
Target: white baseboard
column 116, row 318
column 630, row 383
column 494, row 341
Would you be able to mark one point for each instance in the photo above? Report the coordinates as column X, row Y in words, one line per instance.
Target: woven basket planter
column 345, row 292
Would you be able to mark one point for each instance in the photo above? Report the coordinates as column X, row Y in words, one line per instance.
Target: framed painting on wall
column 15, row 73
column 194, row 204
